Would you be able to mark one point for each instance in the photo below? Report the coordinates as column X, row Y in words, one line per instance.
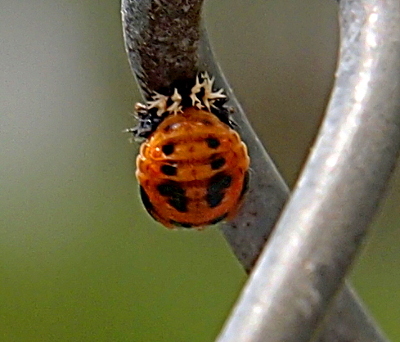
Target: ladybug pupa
column 192, row 167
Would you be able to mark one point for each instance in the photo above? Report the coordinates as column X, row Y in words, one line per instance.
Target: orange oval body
column 192, row 170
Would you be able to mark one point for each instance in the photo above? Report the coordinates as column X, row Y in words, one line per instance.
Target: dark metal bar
column 161, row 40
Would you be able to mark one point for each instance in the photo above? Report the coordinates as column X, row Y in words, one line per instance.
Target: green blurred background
column 80, row 260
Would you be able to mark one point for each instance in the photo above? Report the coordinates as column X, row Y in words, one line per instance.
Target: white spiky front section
column 209, row 96
column 177, row 99
column 159, row 101
column 196, row 89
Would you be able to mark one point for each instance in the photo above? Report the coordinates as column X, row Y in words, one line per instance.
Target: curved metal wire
column 323, row 225
column 336, row 197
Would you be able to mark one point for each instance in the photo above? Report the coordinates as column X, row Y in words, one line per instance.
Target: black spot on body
column 214, row 199
column 168, row 149
column 213, row 143
column 218, row 219
column 169, row 170
column 179, row 203
column 175, row 194
column 215, row 191
column 219, row 182
column 218, row 163
column 170, row 189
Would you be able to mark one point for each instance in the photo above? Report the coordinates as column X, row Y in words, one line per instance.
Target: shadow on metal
column 316, row 238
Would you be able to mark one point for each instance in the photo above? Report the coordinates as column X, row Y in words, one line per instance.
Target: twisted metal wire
column 326, row 219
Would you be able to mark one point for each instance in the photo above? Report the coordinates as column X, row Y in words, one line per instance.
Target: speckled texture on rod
column 161, row 39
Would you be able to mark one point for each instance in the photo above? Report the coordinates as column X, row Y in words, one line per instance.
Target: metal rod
column 161, row 40
column 146, row 29
column 324, row 223
column 347, row 320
